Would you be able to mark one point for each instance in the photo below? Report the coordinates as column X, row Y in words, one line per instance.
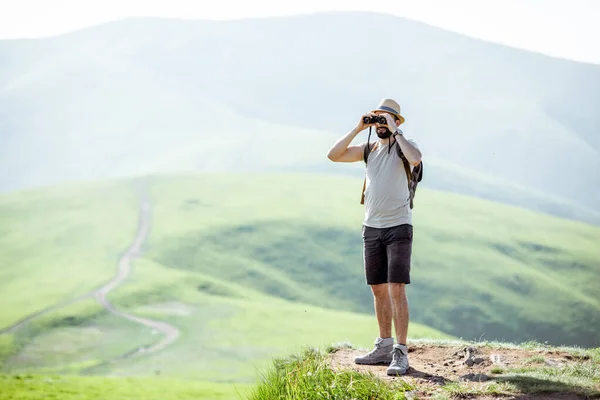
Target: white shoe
column 399, row 364
column 381, row 354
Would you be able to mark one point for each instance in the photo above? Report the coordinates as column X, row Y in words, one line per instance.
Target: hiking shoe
column 381, row 354
column 399, row 364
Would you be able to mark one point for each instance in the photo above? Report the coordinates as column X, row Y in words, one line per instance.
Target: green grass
column 67, row 387
column 61, row 242
column 496, row 370
column 250, row 267
column 73, row 340
column 480, row 269
column 309, row 376
column 535, row 360
column 228, row 332
column 578, row 373
column 7, row 348
column 581, row 378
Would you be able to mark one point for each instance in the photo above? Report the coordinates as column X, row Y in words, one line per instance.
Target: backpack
column 413, row 177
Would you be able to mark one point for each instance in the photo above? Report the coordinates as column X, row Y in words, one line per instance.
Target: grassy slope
column 228, row 331
column 36, row 387
column 479, row 268
column 504, row 257
column 222, row 246
column 71, row 340
column 308, row 374
column 225, row 327
column 61, row 242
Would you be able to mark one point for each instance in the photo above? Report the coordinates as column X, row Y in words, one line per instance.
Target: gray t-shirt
column 387, row 200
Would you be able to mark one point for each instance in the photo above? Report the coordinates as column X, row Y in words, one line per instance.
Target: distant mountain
column 157, row 95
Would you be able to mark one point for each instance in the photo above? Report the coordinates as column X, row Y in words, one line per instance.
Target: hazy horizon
column 174, row 80
column 555, row 28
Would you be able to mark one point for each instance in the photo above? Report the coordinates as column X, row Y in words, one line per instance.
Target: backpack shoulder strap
column 410, row 175
column 366, row 152
column 418, row 168
column 362, row 197
column 404, row 161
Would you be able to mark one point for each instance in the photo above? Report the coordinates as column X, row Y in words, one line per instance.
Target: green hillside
column 227, row 332
column 38, row 387
column 66, row 241
column 536, row 371
column 480, row 268
column 60, row 243
column 249, row 267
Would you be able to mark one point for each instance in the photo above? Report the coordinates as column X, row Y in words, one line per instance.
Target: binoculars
column 374, row 119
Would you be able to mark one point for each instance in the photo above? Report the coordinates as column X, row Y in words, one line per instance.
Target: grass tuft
column 309, row 376
column 332, row 348
column 582, row 378
column 470, row 389
column 497, row 370
column 540, row 360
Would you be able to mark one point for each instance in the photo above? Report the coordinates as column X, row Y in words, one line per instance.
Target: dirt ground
column 432, row 366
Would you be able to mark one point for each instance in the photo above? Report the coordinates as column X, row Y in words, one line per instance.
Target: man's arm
column 343, row 152
column 412, row 154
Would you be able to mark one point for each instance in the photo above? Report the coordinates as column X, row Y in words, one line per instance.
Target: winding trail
column 170, row 333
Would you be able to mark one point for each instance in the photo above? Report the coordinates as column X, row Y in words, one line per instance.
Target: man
column 387, row 229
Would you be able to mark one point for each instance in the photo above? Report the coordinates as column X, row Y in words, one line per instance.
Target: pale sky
column 561, row 28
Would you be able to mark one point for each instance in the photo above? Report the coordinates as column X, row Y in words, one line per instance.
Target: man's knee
column 397, row 289
column 380, row 291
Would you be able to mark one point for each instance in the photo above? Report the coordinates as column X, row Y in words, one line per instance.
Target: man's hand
column 361, row 126
column 391, row 123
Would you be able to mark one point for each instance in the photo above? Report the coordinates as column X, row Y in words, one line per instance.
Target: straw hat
column 390, row 106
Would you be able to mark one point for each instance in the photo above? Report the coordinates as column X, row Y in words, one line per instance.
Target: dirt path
column 170, row 333
column 432, row 366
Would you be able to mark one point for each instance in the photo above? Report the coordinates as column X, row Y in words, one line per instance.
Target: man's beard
column 383, row 132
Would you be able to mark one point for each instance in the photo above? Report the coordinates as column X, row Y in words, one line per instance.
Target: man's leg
column 383, row 309
column 398, row 243
column 376, row 271
column 399, row 303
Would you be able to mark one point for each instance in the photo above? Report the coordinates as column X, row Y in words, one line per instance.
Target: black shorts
column 387, row 253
